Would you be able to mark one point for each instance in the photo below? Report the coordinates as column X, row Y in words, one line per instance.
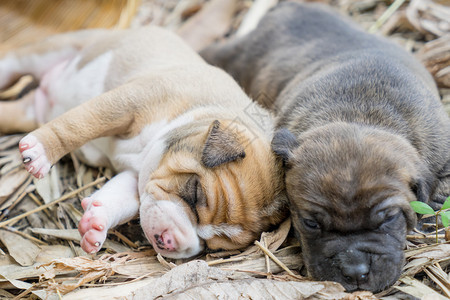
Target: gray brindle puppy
column 361, row 130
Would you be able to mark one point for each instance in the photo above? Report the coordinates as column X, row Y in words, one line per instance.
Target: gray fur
column 370, row 136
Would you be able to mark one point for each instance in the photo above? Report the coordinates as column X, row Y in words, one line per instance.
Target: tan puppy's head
column 349, row 188
column 215, row 186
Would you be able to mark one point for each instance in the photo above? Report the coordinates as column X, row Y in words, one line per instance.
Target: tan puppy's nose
column 165, row 241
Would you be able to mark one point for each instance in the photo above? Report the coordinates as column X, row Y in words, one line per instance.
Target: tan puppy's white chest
column 66, row 86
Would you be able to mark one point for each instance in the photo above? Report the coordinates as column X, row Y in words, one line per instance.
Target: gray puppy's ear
column 431, row 189
column 222, row 146
column 283, row 144
column 442, row 190
column 421, row 188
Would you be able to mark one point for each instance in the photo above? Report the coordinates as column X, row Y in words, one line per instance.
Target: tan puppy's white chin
column 169, row 229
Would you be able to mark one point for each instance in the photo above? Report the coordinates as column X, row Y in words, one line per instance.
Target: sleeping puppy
column 190, row 159
column 360, row 128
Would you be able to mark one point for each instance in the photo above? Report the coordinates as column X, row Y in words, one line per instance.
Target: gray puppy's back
column 313, row 67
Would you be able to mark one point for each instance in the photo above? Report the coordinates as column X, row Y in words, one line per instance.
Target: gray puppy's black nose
column 356, row 273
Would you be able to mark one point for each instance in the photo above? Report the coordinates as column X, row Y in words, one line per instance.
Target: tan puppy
column 190, row 156
column 361, row 130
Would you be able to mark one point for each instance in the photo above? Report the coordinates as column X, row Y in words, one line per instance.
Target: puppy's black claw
column 26, row 160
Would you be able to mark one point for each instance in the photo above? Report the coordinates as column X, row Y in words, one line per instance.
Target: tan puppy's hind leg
column 18, row 115
column 38, row 58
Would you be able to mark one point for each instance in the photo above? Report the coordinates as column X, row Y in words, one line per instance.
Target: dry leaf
column 290, row 256
column 48, row 253
column 48, row 187
column 419, row 259
column 435, row 55
column 21, row 249
column 5, row 295
column 439, row 277
column 11, row 269
column 86, row 178
column 18, row 283
column 429, row 16
column 109, row 292
column 275, row 238
column 434, row 252
column 140, row 267
column 49, row 273
column 12, row 160
column 74, row 235
column 79, row 263
column 115, row 246
column 90, row 269
column 9, row 141
column 163, row 262
column 415, row 266
column 18, row 195
column 85, row 264
column 66, row 287
column 74, row 214
column 418, row 289
column 67, row 234
column 38, row 219
column 10, row 182
column 195, row 280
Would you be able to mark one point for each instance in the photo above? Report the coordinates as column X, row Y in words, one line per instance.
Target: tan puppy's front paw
column 93, row 225
column 34, row 157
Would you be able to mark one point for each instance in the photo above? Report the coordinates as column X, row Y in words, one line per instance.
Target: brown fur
column 231, row 196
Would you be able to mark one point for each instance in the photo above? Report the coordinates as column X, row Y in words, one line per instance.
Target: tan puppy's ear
column 222, row 146
column 283, row 144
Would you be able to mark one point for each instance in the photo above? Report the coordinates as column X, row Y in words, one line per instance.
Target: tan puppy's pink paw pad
column 92, row 241
column 34, row 157
column 85, row 203
column 93, row 225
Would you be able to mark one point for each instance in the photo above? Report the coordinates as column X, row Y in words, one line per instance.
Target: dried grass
column 41, row 256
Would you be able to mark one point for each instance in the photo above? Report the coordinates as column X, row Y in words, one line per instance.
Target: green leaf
column 421, row 208
column 446, row 204
column 445, row 218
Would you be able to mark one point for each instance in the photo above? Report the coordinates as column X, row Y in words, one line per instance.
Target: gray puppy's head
column 349, row 189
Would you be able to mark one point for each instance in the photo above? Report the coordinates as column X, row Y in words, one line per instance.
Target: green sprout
column 424, row 209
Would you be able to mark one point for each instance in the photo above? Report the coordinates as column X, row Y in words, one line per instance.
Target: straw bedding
column 40, row 253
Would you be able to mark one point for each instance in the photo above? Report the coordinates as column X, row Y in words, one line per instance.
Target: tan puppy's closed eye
column 361, row 132
column 192, row 193
column 173, row 128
